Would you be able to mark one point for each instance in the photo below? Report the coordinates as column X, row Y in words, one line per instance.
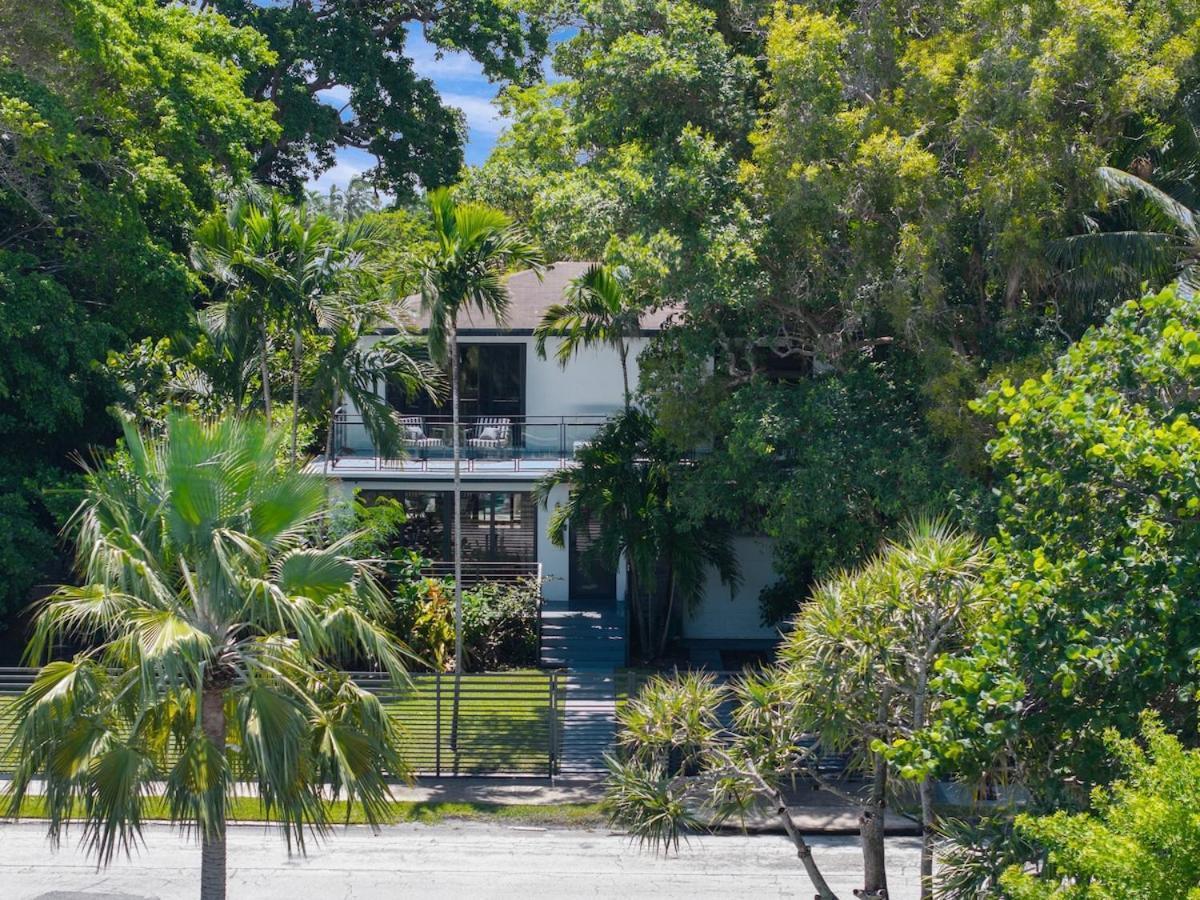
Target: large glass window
column 497, row 526
column 491, row 382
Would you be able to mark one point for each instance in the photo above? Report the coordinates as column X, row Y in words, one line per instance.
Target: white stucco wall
column 718, row 616
column 590, row 385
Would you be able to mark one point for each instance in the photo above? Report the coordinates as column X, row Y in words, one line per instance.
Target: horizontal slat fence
column 509, row 723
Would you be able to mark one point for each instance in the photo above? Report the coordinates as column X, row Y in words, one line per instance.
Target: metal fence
column 508, row 723
column 537, row 442
column 532, row 724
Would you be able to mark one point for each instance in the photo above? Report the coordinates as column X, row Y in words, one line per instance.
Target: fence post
column 553, row 754
column 437, row 715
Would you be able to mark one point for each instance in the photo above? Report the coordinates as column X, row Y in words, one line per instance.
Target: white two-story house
column 524, row 416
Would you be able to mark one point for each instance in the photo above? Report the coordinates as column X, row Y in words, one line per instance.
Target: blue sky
column 460, row 81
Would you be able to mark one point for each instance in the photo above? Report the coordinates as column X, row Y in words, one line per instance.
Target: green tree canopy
column 117, row 120
column 1097, row 553
column 391, row 111
column 814, row 183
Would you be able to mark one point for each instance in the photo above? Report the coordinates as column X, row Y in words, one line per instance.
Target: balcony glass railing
column 484, row 442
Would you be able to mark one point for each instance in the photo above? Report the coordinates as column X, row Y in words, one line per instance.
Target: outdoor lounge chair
column 412, row 433
column 491, row 433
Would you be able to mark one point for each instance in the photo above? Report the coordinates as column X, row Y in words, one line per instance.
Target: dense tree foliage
column 1092, row 592
column 1141, row 842
column 118, row 118
column 389, row 110
column 826, row 186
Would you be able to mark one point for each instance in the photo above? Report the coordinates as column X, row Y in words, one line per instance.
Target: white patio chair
column 412, row 433
column 491, row 433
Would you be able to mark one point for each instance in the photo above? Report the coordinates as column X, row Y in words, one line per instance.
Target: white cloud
column 482, row 115
column 338, row 95
column 340, row 173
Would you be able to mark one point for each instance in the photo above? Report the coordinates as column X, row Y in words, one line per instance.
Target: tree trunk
column 666, row 625
column 297, row 350
column 925, row 789
column 927, row 837
column 329, row 434
column 824, row 892
column 212, row 837
column 264, row 367
column 457, row 539
column 871, row 822
column 624, row 353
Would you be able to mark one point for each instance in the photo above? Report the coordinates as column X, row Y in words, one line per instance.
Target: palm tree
column 235, row 249
column 315, row 262
column 474, row 247
column 603, row 307
column 351, row 369
column 623, row 482
column 1161, row 240
column 214, row 624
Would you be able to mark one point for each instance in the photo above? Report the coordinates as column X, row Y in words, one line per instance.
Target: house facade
column 521, row 417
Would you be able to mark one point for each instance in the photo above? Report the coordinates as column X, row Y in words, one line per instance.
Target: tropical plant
column 234, row 248
column 678, row 767
column 1097, row 557
column 624, row 484
column 855, row 669
column 1162, row 244
column 346, row 204
column 214, row 627
column 350, row 369
column 474, row 247
column 1140, row 841
column 602, row 306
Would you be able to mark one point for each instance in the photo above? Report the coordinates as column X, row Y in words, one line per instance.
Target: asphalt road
column 450, row 860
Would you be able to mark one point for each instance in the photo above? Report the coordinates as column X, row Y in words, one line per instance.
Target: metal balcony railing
column 490, row 442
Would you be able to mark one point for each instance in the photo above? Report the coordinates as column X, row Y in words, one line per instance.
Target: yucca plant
column 214, row 628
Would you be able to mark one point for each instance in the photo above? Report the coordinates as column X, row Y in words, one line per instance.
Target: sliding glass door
column 491, row 383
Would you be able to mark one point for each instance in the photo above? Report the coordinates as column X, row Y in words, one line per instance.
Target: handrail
column 544, row 439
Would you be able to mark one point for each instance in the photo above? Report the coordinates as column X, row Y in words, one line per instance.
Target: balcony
column 488, row 445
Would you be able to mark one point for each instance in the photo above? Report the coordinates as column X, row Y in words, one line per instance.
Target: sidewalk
column 815, row 812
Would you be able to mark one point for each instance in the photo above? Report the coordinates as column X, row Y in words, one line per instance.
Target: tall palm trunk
column 297, row 351
column 212, row 838
column 264, row 367
column 333, row 410
column 457, row 538
column 623, row 351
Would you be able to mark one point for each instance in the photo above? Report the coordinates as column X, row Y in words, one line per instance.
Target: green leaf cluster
column 1093, row 619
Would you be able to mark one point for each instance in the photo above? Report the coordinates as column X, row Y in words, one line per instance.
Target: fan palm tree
column 350, row 369
column 474, row 247
column 602, row 307
column 214, row 623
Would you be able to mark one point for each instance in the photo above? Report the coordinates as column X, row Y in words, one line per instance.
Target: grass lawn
column 504, row 724
column 247, row 809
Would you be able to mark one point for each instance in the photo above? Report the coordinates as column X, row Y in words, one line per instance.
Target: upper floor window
column 491, row 382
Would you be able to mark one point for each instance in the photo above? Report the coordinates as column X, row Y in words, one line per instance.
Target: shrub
column 500, row 624
column 1142, row 839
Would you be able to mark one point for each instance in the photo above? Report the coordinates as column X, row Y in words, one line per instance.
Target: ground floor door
column 591, row 577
